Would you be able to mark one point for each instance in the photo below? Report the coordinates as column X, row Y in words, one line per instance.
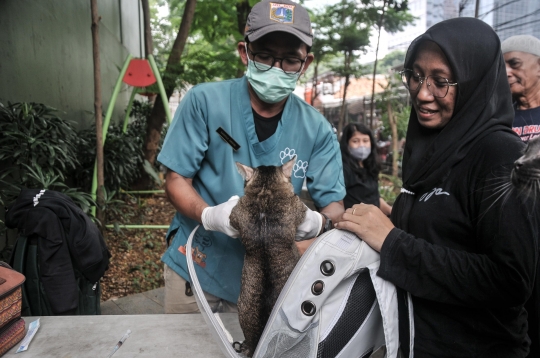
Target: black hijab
column 483, row 106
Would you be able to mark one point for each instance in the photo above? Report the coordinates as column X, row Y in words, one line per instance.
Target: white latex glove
column 310, row 227
column 216, row 218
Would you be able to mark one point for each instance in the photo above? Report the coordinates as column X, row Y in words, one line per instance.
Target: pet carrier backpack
column 333, row 305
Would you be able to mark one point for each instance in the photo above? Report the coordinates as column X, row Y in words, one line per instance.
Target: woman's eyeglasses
column 265, row 61
column 437, row 85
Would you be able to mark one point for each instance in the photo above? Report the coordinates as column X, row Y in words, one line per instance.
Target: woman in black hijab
column 461, row 253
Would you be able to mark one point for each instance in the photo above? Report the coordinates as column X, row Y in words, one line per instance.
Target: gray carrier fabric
column 333, row 305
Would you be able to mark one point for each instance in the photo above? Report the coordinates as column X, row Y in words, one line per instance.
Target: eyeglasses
column 264, row 62
column 413, row 82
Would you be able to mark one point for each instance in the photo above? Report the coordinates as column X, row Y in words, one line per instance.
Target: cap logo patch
column 283, row 13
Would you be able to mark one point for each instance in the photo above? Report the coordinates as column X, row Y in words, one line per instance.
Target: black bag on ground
column 25, row 259
column 60, row 251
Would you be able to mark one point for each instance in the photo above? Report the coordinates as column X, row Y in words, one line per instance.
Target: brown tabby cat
column 266, row 217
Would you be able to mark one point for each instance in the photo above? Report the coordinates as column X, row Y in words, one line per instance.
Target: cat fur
column 266, row 217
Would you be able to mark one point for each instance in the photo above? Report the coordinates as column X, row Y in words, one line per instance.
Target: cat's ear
column 245, row 171
column 288, row 167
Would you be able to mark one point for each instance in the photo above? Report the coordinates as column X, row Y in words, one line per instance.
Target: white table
column 162, row 335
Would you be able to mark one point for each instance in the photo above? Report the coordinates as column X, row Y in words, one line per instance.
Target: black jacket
column 468, row 258
column 68, row 239
column 360, row 189
column 463, row 248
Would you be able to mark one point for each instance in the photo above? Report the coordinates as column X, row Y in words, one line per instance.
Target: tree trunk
column 148, row 44
column 98, row 112
column 158, row 115
column 343, row 112
column 314, row 82
column 375, row 66
column 395, row 140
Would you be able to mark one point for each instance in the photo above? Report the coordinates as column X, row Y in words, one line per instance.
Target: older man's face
column 523, row 71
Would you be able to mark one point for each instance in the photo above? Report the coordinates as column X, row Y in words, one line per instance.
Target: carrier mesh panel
column 356, row 310
column 289, row 346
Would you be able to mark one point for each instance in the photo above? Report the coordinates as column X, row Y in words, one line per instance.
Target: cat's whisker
column 503, row 187
column 504, row 192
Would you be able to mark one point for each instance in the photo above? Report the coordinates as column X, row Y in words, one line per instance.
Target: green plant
column 389, row 187
column 123, row 154
column 37, row 150
column 122, row 157
column 115, row 209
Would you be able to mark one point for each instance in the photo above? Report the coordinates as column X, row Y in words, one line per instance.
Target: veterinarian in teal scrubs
column 257, row 121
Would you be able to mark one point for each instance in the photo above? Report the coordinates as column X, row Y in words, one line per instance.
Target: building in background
column 516, row 18
column 46, row 54
column 507, row 17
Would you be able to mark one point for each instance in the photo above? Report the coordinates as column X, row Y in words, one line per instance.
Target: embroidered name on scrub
column 435, row 191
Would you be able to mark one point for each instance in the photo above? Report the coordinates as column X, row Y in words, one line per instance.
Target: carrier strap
column 212, row 319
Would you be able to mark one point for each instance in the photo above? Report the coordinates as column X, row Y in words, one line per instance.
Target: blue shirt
column 194, row 149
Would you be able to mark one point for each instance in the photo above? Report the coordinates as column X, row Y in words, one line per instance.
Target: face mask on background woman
column 360, row 153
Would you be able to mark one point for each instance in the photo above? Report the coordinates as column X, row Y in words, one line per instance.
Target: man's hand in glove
column 216, row 218
column 310, row 227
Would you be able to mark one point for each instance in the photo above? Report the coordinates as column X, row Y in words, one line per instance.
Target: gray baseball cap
column 278, row 15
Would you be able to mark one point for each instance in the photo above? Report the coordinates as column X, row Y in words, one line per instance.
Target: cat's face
column 526, row 171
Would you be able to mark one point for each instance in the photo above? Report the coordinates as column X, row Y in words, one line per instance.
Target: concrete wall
column 46, row 53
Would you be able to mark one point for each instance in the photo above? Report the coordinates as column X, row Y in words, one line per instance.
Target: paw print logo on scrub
column 286, row 154
column 300, row 167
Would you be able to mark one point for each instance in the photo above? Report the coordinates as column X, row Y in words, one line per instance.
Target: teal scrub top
column 194, row 149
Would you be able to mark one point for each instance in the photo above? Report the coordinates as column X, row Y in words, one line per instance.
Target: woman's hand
column 303, row 245
column 368, row 222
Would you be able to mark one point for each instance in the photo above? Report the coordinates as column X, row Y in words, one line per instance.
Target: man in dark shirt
column 522, row 57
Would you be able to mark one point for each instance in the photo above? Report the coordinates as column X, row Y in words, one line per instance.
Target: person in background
column 462, row 256
column 360, row 167
column 522, row 57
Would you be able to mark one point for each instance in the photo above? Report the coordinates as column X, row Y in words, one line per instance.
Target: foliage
column 392, row 59
column 122, row 152
column 115, row 208
column 389, row 187
column 402, row 114
column 397, row 95
column 210, row 52
column 37, row 150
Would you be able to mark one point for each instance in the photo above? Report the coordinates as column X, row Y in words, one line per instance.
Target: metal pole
column 160, row 227
column 477, row 8
column 164, row 98
column 143, row 191
column 106, row 123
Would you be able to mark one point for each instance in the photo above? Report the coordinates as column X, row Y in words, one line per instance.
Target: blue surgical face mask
column 273, row 85
column 360, row 153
